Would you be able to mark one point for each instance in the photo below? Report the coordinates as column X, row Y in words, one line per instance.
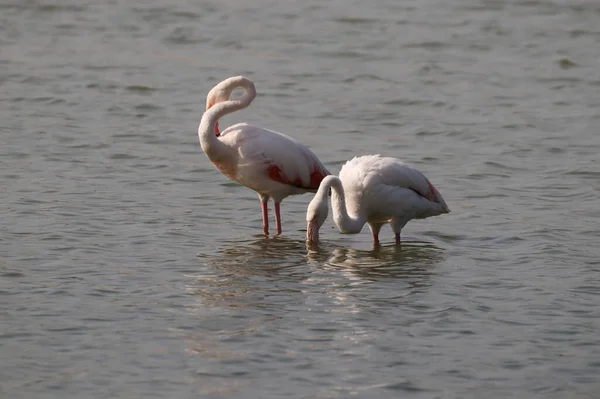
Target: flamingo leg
column 265, row 217
column 375, row 232
column 376, row 238
column 277, row 218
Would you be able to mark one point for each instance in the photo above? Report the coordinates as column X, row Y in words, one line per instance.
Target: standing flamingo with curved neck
column 270, row 163
column 374, row 190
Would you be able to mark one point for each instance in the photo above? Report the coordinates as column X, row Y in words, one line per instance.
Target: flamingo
column 270, row 163
column 375, row 190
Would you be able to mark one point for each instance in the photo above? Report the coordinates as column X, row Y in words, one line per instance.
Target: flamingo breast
column 229, row 169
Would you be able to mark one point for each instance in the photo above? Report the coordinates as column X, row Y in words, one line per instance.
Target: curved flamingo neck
column 210, row 143
column 344, row 222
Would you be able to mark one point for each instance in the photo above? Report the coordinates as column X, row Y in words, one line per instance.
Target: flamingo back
column 384, row 176
column 272, row 163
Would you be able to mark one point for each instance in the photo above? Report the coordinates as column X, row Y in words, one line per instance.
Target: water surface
column 130, row 267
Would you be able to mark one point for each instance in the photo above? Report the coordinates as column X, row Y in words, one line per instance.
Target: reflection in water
column 282, row 259
column 244, row 292
column 361, row 283
column 261, row 251
column 409, row 260
column 412, row 263
column 241, row 292
column 271, row 258
column 242, row 270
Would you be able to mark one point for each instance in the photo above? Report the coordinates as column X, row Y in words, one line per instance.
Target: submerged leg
column 265, row 216
column 397, row 225
column 277, row 218
column 375, row 232
column 376, row 238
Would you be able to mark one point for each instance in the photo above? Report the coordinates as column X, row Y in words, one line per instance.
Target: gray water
column 130, row 267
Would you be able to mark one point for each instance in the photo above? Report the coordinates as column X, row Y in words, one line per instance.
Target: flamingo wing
column 394, row 173
column 283, row 159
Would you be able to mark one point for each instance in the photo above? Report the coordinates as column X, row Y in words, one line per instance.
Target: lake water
column 130, row 267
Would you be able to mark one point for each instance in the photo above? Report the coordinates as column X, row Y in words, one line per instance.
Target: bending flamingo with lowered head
column 375, row 190
column 270, row 163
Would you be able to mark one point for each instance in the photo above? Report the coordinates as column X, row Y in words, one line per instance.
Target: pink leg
column 265, row 216
column 375, row 232
column 397, row 238
column 376, row 238
column 277, row 218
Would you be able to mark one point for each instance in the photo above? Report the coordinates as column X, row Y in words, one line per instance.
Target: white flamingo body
column 374, row 190
column 270, row 163
column 261, row 154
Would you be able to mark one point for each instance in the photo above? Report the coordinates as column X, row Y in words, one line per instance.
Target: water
column 129, row 267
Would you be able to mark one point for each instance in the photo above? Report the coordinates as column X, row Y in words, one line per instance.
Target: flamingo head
column 217, row 95
column 316, row 214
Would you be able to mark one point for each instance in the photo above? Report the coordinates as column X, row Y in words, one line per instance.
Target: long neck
column 211, row 145
column 344, row 222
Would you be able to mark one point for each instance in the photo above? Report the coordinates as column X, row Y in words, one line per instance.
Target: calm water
column 130, row 267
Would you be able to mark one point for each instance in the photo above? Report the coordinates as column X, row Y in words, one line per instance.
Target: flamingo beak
column 217, row 132
column 312, row 231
